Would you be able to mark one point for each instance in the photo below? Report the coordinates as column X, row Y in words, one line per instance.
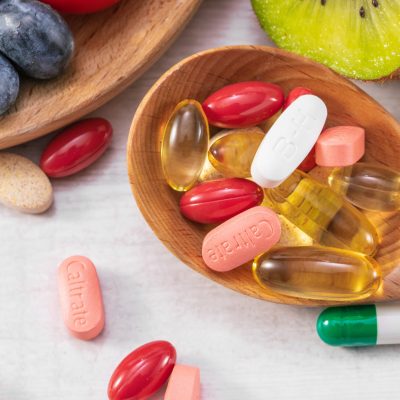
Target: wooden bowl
column 113, row 48
column 198, row 76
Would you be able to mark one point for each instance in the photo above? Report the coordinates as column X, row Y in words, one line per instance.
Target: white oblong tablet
column 289, row 141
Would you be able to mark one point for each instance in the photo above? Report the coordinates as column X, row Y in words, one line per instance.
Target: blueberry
column 9, row 84
column 35, row 38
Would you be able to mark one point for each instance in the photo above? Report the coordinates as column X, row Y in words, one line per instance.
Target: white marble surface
column 246, row 349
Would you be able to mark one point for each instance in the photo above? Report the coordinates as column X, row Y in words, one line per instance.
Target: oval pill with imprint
column 309, row 162
column 80, row 295
column 289, row 141
column 340, row 146
column 184, row 383
column 23, row 185
column 360, row 325
column 241, row 238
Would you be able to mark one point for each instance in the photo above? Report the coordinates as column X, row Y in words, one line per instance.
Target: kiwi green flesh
column 358, row 39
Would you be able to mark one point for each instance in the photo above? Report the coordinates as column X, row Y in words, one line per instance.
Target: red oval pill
column 142, row 372
column 309, row 162
column 216, row 201
column 80, row 6
column 243, row 104
column 294, row 94
column 76, row 147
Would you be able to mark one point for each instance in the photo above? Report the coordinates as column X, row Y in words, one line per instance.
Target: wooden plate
column 202, row 74
column 113, row 48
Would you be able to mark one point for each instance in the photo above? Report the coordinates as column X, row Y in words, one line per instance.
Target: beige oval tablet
column 23, row 185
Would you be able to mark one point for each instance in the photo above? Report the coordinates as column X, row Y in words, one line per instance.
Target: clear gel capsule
column 367, row 186
column 233, row 153
column 323, row 214
column 319, row 273
column 364, row 325
column 184, row 145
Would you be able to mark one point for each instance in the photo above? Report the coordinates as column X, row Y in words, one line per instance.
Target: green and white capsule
column 365, row 325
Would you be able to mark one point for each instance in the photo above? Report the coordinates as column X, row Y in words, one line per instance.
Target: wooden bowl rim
column 30, row 130
column 276, row 52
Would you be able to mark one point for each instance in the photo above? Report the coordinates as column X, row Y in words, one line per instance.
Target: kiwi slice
column 359, row 39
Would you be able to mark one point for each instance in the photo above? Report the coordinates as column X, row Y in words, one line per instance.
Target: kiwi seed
column 357, row 38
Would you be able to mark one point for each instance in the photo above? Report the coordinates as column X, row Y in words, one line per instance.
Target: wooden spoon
column 200, row 75
column 113, row 48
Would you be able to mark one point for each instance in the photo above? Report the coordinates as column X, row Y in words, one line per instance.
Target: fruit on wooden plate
column 358, row 39
column 9, row 85
column 80, row 6
column 35, row 38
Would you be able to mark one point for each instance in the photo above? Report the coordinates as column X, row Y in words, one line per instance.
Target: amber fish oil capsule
column 184, row 145
column 319, row 273
column 368, row 186
column 323, row 214
column 233, row 153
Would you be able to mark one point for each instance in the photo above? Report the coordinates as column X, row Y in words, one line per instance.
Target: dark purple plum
column 9, row 84
column 35, row 38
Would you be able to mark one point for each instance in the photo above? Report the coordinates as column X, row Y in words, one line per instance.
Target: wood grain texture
column 202, row 74
column 113, row 48
column 246, row 349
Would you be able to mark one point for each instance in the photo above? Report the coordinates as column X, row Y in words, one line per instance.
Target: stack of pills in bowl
column 263, row 177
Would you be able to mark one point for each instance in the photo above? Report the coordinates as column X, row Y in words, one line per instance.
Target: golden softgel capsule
column 368, row 186
column 323, row 214
column 233, row 153
column 184, row 145
column 319, row 273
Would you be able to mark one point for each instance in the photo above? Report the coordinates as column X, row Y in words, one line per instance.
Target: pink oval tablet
column 81, row 300
column 184, row 384
column 340, row 146
column 241, row 238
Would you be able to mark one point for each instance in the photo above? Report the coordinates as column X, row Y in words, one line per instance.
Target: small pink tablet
column 340, row 146
column 241, row 238
column 184, row 384
column 81, row 300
